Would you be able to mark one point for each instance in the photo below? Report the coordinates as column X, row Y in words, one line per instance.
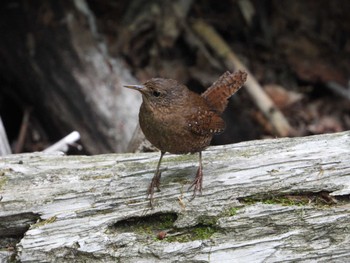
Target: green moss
column 199, row 232
column 102, row 176
column 207, row 220
column 282, row 200
column 3, row 179
column 45, row 222
column 166, row 221
column 203, row 232
column 286, row 201
column 245, row 153
column 320, row 199
column 178, row 238
column 150, row 226
column 233, row 211
column 249, row 200
column 180, row 180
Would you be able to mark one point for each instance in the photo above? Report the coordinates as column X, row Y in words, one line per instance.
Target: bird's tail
column 217, row 95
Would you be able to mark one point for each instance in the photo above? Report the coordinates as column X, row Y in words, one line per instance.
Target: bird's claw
column 155, row 183
column 197, row 183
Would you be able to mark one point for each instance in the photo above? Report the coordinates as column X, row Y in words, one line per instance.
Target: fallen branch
column 265, row 104
column 338, row 89
column 64, row 143
column 4, row 144
column 23, row 130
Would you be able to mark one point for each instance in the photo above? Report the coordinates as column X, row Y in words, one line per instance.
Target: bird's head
column 158, row 92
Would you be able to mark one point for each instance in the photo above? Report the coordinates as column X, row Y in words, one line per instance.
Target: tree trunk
column 263, row 201
column 54, row 59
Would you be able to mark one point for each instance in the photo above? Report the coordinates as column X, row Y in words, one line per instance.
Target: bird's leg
column 198, row 181
column 155, row 181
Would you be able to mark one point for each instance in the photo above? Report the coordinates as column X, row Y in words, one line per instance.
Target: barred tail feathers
column 217, row 95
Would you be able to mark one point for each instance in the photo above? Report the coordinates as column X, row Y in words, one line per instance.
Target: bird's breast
column 168, row 130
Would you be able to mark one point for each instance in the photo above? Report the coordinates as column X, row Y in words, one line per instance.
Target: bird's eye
column 156, row 93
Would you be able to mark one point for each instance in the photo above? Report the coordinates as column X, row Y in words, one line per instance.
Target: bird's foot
column 155, row 183
column 197, row 182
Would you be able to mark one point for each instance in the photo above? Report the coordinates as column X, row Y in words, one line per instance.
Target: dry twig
column 264, row 103
column 4, row 144
column 23, row 130
column 63, row 144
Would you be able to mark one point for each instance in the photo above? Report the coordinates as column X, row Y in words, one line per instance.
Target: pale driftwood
column 82, row 198
column 63, row 144
column 4, row 143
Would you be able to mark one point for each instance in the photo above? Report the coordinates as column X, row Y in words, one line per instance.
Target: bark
column 93, row 209
column 54, row 59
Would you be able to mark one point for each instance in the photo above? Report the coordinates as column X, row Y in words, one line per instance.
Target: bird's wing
column 204, row 122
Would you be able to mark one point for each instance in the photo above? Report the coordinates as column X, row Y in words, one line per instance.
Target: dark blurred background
column 63, row 64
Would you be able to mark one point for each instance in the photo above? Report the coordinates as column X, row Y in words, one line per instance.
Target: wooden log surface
column 93, row 208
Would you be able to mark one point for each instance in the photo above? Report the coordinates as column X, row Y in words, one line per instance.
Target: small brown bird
column 177, row 120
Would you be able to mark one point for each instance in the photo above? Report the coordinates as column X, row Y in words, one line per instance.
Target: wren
column 176, row 120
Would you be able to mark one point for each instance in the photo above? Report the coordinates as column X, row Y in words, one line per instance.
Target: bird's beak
column 135, row 87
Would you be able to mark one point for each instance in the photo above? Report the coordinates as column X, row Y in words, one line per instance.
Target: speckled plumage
column 179, row 121
column 184, row 124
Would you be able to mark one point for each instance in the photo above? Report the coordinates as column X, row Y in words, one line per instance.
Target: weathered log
column 93, row 209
